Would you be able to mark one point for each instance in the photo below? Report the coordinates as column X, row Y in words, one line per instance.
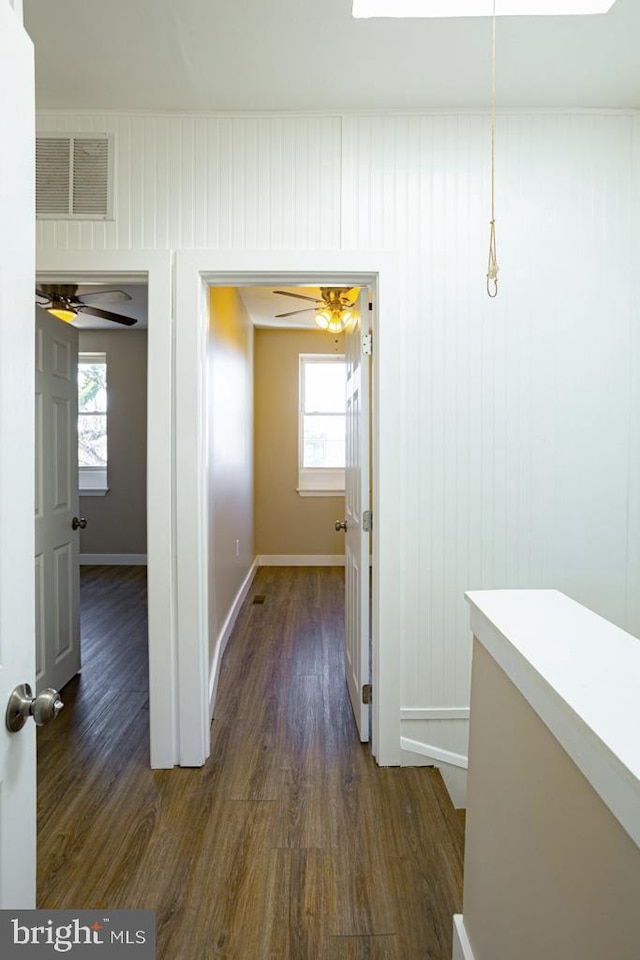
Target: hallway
column 290, row 843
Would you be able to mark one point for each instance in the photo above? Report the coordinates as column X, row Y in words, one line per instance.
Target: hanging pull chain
column 492, row 268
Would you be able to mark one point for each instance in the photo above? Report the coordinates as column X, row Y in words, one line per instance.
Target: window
column 92, row 424
column 322, row 425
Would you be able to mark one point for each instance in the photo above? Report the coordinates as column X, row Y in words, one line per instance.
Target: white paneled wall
column 231, row 183
column 520, row 415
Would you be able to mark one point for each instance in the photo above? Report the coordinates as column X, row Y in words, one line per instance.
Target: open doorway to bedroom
column 289, row 482
column 91, row 453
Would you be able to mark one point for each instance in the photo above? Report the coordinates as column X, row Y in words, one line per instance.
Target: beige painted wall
column 285, row 522
column 549, row 871
column 230, row 473
column 117, row 522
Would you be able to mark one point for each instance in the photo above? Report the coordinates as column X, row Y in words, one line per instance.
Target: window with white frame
column 92, row 424
column 322, row 425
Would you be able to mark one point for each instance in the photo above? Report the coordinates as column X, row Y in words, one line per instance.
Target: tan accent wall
column 549, row 871
column 230, row 475
column 287, row 523
column 117, row 522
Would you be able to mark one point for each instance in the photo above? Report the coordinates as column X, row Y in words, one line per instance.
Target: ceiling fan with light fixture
column 333, row 309
column 62, row 300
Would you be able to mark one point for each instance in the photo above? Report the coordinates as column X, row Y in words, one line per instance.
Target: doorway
column 91, row 448
column 196, row 271
column 177, row 508
column 311, row 500
column 153, row 269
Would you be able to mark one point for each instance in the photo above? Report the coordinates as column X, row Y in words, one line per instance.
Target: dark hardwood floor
column 290, row 843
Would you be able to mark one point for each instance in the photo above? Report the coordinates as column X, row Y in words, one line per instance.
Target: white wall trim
column 434, row 753
column 338, row 114
column 461, row 946
column 434, row 713
column 301, row 560
column 166, row 704
column 195, row 271
column 225, row 633
column 633, row 569
column 113, row 559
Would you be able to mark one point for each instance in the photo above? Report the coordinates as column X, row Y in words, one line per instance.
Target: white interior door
column 17, row 750
column 56, row 503
column 357, row 502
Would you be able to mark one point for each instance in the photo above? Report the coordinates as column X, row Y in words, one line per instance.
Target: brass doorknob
column 341, row 525
column 79, row 523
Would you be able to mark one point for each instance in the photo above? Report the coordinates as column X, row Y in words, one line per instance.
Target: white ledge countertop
column 581, row 675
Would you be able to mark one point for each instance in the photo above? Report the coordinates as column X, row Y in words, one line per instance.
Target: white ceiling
column 254, row 55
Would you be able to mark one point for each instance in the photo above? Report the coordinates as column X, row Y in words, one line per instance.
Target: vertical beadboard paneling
column 210, row 197
column 247, row 187
column 237, row 182
column 126, row 163
column 136, row 186
column 150, row 171
column 516, row 465
column 519, row 454
column 265, row 200
column 200, row 177
column 176, row 187
column 223, row 179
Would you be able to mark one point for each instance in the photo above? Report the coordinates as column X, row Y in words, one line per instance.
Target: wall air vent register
column 74, row 176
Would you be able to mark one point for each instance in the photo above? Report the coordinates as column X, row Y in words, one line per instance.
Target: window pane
column 324, row 387
column 92, row 440
column 92, row 387
column 323, row 440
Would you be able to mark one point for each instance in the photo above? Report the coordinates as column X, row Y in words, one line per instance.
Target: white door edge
column 18, row 809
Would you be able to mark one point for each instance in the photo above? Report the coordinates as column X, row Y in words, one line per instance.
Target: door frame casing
column 196, row 271
column 155, row 268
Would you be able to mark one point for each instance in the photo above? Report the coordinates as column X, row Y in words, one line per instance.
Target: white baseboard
column 434, row 753
column 113, row 559
column 461, row 946
column 225, row 633
column 301, row 560
column 452, row 766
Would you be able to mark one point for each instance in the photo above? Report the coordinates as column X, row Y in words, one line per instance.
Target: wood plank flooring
column 290, row 843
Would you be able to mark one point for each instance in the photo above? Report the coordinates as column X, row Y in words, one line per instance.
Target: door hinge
column 367, row 693
column 367, row 521
column 367, row 345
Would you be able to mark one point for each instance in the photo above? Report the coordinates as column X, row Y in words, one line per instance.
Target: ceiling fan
column 333, row 309
column 62, row 300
